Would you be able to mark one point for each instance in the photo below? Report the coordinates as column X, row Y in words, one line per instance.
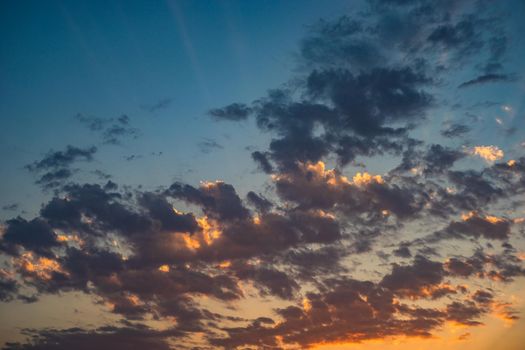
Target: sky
column 262, row 174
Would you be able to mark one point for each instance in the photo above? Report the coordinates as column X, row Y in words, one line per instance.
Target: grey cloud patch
column 234, row 112
column 103, row 338
column 10, row 207
column 35, row 235
column 55, row 168
column 262, row 160
column 479, row 226
column 111, row 130
column 8, row 287
column 160, row 105
column 455, row 130
column 161, row 210
column 61, row 159
column 488, row 78
column 208, row 145
column 218, row 199
column 258, row 201
column 438, row 159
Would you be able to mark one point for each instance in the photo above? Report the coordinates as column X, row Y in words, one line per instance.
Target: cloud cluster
column 56, row 166
column 368, row 82
column 111, row 130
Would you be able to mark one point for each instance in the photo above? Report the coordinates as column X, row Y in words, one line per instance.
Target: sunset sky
column 262, row 174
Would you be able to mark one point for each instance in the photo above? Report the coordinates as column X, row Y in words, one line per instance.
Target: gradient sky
column 262, row 174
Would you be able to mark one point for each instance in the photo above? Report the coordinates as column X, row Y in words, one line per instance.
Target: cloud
column 55, row 167
column 487, row 78
column 490, row 227
column 104, row 338
column 10, row 207
column 218, row 199
column 158, row 106
column 262, row 204
column 438, row 159
column 489, row 153
column 8, row 287
column 192, row 255
column 111, row 130
column 414, row 280
column 63, row 159
column 262, row 160
column 35, row 235
column 314, row 186
column 455, row 130
column 208, row 145
column 234, row 112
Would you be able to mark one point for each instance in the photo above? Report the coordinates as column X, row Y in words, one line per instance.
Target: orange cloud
column 489, row 153
column 164, row 268
column 364, row 179
column 41, row 268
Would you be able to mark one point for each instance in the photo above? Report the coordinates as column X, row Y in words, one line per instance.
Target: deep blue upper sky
column 105, row 59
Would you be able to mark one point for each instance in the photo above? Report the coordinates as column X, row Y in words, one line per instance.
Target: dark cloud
column 217, row 198
column 354, row 97
column 111, row 130
column 438, row 159
column 347, row 311
column 259, row 202
column 158, row 106
column 465, row 313
column 101, row 174
column 55, row 167
column 413, row 280
column 161, row 210
column 370, row 101
column 475, row 225
column 10, row 207
column 8, row 287
column 63, row 159
column 365, row 106
column 54, row 178
column 35, row 235
column 209, row 145
column 132, row 157
column 455, row 130
column 103, row 338
column 235, row 112
column 270, row 281
column 403, row 251
column 475, row 190
column 94, row 202
column 262, row 160
column 311, row 186
column 497, row 267
column 487, row 78
column 463, row 35
column 339, row 43
column 313, row 263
